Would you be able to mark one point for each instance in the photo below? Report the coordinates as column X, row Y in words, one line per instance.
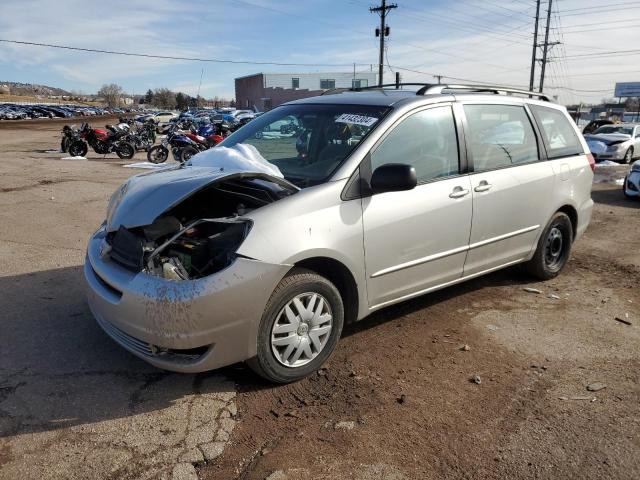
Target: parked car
column 631, row 184
column 263, row 250
column 619, row 142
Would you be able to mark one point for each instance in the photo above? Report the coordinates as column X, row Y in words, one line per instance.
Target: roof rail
column 390, row 85
column 497, row 89
column 333, row 91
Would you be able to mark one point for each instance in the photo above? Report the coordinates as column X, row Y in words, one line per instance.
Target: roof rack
column 434, row 89
column 391, row 85
column 396, row 86
column 497, row 89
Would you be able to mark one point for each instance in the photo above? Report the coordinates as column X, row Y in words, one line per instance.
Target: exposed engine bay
column 200, row 235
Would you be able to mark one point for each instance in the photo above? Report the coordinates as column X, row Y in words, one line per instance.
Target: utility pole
column 382, row 32
column 545, row 48
column 535, row 46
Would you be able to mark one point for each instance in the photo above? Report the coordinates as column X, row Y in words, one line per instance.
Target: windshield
column 615, row 129
column 308, row 142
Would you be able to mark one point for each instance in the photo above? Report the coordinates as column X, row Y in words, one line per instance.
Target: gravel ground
column 395, row 401
column 73, row 404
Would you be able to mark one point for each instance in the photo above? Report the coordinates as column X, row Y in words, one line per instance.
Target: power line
column 169, row 57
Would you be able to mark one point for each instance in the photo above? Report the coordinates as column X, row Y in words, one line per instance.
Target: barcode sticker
column 356, row 119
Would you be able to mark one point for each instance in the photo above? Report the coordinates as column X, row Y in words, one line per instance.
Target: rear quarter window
column 559, row 135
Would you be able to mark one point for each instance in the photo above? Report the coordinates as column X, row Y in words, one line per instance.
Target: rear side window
column 426, row 140
column 560, row 137
column 499, row 136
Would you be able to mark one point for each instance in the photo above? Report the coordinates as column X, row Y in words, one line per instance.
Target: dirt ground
column 395, row 401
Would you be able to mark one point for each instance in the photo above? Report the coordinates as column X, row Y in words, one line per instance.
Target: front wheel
column 628, row 156
column 187, row 153
column 78, row 149
column 300, row 327
column 125, row 150
column 158, row 154
column 553, row 248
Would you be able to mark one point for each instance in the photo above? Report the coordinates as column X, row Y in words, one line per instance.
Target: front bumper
column 183, row 326
column 617, row 155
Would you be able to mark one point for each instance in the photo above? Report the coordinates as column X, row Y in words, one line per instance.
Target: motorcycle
column 102, row 142
column 175, row 141
column 185, row 144
column 69, row 135
column 142, row 135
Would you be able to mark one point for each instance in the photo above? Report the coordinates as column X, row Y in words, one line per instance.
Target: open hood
column 143, row 198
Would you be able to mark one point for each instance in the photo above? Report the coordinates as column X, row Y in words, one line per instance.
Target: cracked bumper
column 184, row 326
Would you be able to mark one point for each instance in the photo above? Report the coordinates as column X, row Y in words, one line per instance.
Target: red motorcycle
column 102, row 142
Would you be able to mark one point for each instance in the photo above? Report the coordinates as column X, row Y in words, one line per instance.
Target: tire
column 64, row 144
column 187, row 153
column 303, row 285
column 78, row 149
column 125, row 150
column 157, row 154
column 554, row 248
column 624, row 188
column 628, row 156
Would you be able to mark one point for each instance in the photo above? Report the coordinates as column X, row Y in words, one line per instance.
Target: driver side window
column 426, row 140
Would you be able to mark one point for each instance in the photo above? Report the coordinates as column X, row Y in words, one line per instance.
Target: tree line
column 161, row 98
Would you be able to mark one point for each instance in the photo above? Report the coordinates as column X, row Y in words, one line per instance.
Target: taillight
column 592, row 162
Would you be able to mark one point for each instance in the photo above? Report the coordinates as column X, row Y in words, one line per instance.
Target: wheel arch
column 572, row 213
column 340, row 275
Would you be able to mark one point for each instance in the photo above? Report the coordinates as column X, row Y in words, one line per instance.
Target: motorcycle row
column 183, row 139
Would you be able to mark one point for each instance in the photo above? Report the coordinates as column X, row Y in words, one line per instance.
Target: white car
column 162, row 119
column 619, row 142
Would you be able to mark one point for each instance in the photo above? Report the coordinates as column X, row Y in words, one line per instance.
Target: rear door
column 417, row 239
column 512, row 188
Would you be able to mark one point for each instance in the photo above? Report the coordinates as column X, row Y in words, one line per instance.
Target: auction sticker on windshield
column 356, row 119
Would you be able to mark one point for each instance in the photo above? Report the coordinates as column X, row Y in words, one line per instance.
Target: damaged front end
column 164, row 279
column 200, row 231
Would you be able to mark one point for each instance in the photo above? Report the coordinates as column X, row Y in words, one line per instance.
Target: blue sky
column 482, row 40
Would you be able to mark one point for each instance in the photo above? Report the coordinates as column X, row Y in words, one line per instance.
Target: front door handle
column 459, row 192
column 483, row 186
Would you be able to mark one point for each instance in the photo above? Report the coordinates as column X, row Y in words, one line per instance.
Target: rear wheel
column 187, row 153
column 157, row 154
column 125, row 150
column 554, row 248
column 78, row 149
column 300, row 327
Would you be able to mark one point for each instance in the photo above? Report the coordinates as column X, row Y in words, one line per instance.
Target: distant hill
column 31, row 89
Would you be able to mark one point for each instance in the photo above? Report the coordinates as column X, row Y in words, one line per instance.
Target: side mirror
column 393, row 177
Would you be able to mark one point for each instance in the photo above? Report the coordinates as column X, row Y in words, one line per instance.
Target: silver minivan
column 261, row 249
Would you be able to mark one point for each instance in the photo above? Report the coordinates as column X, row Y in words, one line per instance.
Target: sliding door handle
column 459, row 192
column 483, row 186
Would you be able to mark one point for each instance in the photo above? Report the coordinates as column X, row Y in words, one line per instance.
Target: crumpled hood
column 142, row 198
column 608, row 138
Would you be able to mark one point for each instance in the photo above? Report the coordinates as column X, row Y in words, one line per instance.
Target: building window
column 295, row 82
column 359, row 83
column 327, row 83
